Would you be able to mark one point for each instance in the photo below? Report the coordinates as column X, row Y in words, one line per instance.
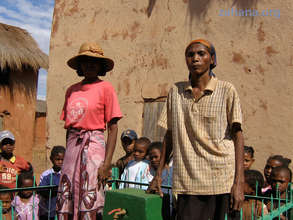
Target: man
column 10, row 165
column 203, row 121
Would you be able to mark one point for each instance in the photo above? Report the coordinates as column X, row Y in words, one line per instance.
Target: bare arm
column 104, row 169
column 237, row 191
column 155, row 185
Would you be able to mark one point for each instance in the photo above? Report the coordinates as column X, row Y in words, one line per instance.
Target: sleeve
column 22, row 164
column 234, row 113
column 112, row 107
column 165, row 119
column 41, row 177
column 45, row 181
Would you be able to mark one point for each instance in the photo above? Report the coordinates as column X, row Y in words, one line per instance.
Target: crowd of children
column 15, row 172
column 139, row 164
column 260, row 190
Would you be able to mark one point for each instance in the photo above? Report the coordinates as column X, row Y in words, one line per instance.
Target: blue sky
column 35, row 16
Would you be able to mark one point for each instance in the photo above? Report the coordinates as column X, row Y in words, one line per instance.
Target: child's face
column 269, row 167
column 26, row 183
column 139, row 152
column 281, row 179
column 128, row 145
column 155, row 157
column 57, row 161
column 6, row 202
column 248, row 161
column 7, row 146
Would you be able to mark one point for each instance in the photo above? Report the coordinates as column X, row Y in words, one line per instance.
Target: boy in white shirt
column 138, row 170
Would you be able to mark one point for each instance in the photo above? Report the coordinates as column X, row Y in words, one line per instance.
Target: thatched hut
column 20, row 61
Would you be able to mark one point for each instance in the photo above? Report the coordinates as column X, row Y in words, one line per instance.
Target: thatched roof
column 18, row 49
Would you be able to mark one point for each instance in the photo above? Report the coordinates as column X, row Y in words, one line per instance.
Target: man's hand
column 155, row 186
column 237, row 196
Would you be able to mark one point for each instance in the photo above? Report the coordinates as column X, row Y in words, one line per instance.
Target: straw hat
column 91, row 50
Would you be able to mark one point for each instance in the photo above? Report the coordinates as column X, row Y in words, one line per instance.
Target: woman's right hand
column 103, row 175
column 155, row 186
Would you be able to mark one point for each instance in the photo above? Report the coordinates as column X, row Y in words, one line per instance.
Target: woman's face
column 90, row 67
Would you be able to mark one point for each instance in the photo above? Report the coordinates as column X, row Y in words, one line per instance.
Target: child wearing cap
column 128, row 138
column 10, row 165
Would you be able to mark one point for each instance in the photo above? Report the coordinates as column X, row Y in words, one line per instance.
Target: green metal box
column 138, row 204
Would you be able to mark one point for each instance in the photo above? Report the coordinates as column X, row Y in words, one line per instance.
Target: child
column 280, row 178
column 248, row 157
column 6, row 198
column 51, row 177
column 138, row 170
column 154, row 153
column 10, row 165
column 26, row 205
column 272, row 162
column 128, row 138
column 251, row 178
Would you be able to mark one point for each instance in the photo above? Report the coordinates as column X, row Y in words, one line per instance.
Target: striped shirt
column 204, row 154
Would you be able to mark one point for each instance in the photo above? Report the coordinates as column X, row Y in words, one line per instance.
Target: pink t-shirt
column 90, row 106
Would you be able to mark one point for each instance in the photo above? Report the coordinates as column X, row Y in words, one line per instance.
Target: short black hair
column 143, row 141
column 253, row 176
column 249, row 150
column 155, row 145
column 24, row 176
column 282, row 168
column 285, row 161
column 56, row 150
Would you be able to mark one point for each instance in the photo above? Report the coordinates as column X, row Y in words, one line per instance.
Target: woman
column 90, row 107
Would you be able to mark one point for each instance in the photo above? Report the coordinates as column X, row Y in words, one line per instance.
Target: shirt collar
column 12, row 159
column 208, row 89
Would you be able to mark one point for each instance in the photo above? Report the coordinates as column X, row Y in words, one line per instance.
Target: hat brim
column 74, row 61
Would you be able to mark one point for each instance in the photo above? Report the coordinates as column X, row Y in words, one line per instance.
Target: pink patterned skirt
column 78, row 194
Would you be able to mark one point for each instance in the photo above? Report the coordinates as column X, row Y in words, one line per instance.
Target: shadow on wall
column 245, row 4
column 150, row 7
column 197, row 9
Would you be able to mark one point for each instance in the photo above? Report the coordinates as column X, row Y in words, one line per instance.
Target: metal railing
column 283, row 206
column 35, row 189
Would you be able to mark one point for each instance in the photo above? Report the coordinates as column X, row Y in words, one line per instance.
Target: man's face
column 269, row 167
column 7, row 146
column 128, row 145
column 248, row 161
column 6, row 202
column 198, row 59
column 140, row 151
column 155, row 157
column 57, row 161
column 281, row 179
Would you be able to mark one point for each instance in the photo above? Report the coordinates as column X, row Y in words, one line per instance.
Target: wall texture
column 147, row 39
column 19, row 103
